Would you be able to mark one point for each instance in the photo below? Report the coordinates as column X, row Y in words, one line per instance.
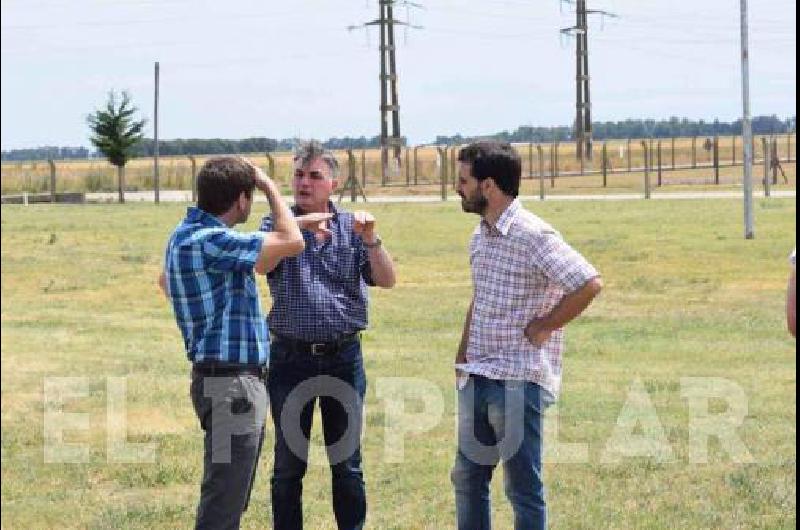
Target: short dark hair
column 221, row 181
column 498, row 161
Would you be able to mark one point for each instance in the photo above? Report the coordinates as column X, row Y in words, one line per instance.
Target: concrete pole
column 747, row 141
column 156, row 180
column 646, row 171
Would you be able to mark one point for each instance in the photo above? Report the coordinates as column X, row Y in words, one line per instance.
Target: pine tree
column 115, row 133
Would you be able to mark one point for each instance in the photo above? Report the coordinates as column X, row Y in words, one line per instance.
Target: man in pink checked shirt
column 528, row 284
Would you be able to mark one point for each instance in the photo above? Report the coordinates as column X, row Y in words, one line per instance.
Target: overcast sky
column 244, row 68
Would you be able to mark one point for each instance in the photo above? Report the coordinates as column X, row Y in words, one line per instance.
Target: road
column 186, row 196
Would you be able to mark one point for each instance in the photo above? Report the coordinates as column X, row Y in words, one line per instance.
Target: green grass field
column 686, row 297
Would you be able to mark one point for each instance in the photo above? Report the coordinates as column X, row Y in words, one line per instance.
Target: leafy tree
column 115, row 133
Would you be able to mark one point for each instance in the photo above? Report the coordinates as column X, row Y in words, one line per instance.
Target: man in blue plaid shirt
column 319, row 309
column 208, row 276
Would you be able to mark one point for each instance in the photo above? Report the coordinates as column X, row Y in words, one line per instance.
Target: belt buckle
column 318, row 348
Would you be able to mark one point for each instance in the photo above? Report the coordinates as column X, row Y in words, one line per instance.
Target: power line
column 583, row 105
column 388, row 79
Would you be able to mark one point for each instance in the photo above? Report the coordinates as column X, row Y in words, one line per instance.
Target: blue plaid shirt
column 321, row 294
column 209, row 271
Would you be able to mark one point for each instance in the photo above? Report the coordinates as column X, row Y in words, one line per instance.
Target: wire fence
column 613, row 164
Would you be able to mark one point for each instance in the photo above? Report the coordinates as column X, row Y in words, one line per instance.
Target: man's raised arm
column 285, row 240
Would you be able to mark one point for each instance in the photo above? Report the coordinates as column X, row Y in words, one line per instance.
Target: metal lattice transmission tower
column 583, row 101
column 390, row 105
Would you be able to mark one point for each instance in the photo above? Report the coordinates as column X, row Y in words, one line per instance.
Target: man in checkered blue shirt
column 208, row 276
column 319, row 309
column 528, row 284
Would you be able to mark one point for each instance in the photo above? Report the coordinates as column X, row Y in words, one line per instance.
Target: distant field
column 686, row 297
column 175, row 172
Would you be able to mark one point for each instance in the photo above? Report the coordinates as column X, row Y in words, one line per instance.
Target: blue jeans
column 500, row 421
column 296, row 381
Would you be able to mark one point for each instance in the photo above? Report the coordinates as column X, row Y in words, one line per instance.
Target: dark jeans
column 296, row 381
column 232, row 411
column 500, row 421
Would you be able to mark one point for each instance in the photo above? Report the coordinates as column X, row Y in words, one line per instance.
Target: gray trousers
column 232, row 411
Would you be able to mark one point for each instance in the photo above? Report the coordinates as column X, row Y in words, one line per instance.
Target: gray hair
column 307, row 150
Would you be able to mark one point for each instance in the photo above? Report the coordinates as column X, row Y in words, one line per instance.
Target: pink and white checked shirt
column 521, row 268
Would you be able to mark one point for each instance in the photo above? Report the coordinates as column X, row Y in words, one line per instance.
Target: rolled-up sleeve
column 231, row 251
column 559, row 262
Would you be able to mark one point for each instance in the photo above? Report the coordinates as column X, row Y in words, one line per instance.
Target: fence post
column 628, row 154
column 673, row 153
column 416, row 168
column 765, row 147
column 351, row 174
column 363, row 167
column 270, row 165
column 733, row 160
column 194, row 177
column 443, row 169
column 530, row 159
column 774, row 160
column 52, row 180
column 408, row 167
column 540, row 152
column 659, row 163
column 694, row 152
column 715, row 147
column 605, row 164
column 384, row 163
column 555, row 170
column 452, row 171
column 646, row 171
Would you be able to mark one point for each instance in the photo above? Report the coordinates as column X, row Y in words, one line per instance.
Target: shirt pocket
column 345, row 265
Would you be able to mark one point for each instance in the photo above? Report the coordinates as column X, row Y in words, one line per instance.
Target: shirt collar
column 197, row 215
column 332, row 208
column 504, row 222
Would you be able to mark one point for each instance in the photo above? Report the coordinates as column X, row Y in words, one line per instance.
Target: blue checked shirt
column 209, row 271
column 321, row 294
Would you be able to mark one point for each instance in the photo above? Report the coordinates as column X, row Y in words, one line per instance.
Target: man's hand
column 462, row 378
column 316, row 223
column 536, row 333
column 262, row 180
column 285, row 240
column 364, row 226
column 162, row 284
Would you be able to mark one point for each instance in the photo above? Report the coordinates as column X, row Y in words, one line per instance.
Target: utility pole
column 583, row 102
column 156, row 183
column 747, row 133
column 390, row 104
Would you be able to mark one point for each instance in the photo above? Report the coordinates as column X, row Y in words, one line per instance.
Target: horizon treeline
column 672, row 127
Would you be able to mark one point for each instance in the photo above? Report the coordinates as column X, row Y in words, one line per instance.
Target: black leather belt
column 211, row 369
column 317, row 348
